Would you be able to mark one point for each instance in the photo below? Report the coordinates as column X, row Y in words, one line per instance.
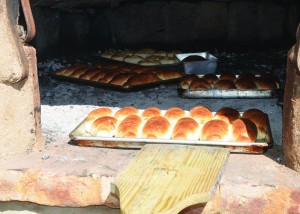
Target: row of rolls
column 144, row 57
column 119, row 74
column 230, row 81
column 199, row 123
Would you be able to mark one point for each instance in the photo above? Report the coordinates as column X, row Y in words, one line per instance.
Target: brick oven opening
column 38, row 162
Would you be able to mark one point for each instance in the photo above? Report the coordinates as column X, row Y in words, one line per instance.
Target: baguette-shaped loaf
column 96, row 113
column 104, row 126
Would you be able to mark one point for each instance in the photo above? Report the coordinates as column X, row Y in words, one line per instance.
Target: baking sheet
column 112, row 86
column 82, row 138
column 228, row 93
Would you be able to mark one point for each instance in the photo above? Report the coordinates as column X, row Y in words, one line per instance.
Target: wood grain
column 169, row 178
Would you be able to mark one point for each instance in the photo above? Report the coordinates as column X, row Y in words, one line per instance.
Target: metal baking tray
column 112, row 86
column 82, row 138
column 199, row 67
column 228, row 93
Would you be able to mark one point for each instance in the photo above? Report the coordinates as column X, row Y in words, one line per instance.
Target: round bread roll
column 159, row 53
column 149, row 62
column 211, row 79
column 109, row 76
column 228, row 76
column 168, row 61
column 246, row 76
column 127, row 52
column 93, row 115
column 100, row 74
column 89, row 74
column 104, row 126
column 108, row 53
column 224, row 84
column 142, row 78
column 118, row 57
column 260, row 119
column 144, row 52
column 125, row 112
column 168, row 74
column 150, row 112
column 199, row 84
column 215, row 130
column 243, row 83
column 186, row 80
column 133, row 59
column 68, row 71
column 271, row 76
column 157, row 127
column 244, row 130
column 129, row 127
column 201, row 114
column 174, row 114
column 154, row 57
column 228, row 115
column 186, row 129
column 265, row 83
column 120, row 79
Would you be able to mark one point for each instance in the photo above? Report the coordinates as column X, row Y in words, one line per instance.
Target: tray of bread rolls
column 118, row 76
column 143, row 57
column 229, row 85
column 128, row 127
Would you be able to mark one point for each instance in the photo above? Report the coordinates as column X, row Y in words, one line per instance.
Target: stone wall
column 167, row 24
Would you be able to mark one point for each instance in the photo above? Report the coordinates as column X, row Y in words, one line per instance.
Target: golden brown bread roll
column 120, row 79
column 118, row 57
column 229, row 115
column 129, row 127
column 243, row 83
column 144, row 52
column 68, row 71
column 133, row 59
column 168, row 74
column 199, row 83
column 201, row 114
column 211, row 79
column 186, row 129
column 246, row 76
column 228, row 76
column 96, row 113
column 265, row 83
column 104, row 126
column 260, row 119
column 141, row 69
column 109, row 76
column 77, row 73
column 215, row 130
column 224, row 84
column 142, row 78
column 100, row 74
column 150, row 112
column 174, row 114
column 244, row 130
column 157, row 127
column 127, row 52
column 271, row 76
column 111, row 66
column 159, row 53
column 90, row 73
column 108, row 53
column 168, row 60
column 125, row 112
column 149, row 62
column 186, row 80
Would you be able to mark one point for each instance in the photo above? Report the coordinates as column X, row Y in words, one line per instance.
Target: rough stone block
column 271, row 18
column 242, row 23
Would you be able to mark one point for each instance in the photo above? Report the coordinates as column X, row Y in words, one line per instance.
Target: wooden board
column 169, row 178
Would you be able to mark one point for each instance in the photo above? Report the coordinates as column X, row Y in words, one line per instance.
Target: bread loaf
column 244, row 130
column 211, row 79
column 150, row 112
column 186, row 128
column 100, row 74
column 174, row 114
column 77, row 73
column 224, row 84
column 109, row 76
column 125, row 112
column 118, row 57
column 133, row 59
column 157, row 127
column 120, row 79
column 90, row 73
column 144, row 52
column 96, row 113
column 265, row 83
column 186, row 81
column 215, row 130
column 129, row 127
column 199, row 83
column 243, row 83
column 168, row 74
column 149, row 62
column 104, row 126
column 108, row 53
column 142, row 78
column 159, row 53
column 201, row 114
column 260, row 119
column 168, row 60
column 246, row 76
column 70, row 70
column 229, row 115
column 228, row 76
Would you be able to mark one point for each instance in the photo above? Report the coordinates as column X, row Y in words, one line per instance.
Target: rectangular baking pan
column 82, row 138
column 112, row 86
column 228, row 93
column 199, row 67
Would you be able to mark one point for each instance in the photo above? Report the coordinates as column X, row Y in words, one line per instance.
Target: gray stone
column 242, row 23
column 271, row 18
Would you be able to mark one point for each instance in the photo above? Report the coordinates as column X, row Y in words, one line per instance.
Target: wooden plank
column 169, row 178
